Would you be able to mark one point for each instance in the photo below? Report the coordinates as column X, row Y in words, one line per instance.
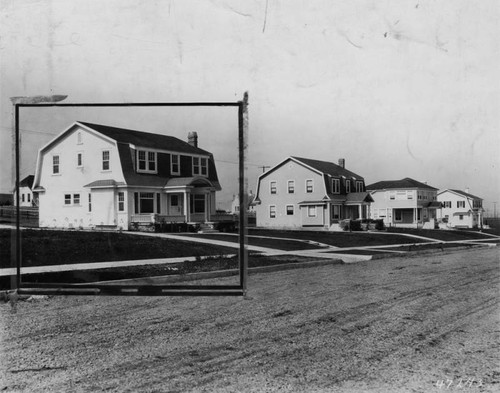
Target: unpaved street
column 414, row 324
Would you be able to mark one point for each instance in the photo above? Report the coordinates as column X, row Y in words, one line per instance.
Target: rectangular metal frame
column 143, row 290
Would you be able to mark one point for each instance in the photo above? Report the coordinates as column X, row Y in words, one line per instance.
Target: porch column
column 360, row 211
column 415, row 215
column 186, row 206
column 207, row 206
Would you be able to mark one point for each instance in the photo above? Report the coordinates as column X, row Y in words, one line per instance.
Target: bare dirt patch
column 392, row 325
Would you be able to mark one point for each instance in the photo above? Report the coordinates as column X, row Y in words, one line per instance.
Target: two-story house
column 95, row 175
column 404, row 203
column 301, row 192
column 459, row 209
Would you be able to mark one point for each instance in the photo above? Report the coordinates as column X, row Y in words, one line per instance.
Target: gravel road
column 413, row 324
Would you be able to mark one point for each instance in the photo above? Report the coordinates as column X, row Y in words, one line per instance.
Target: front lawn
column 130, row 272
column 48, row 247
column 338, row 239
column 277, row 244
column 442, row 234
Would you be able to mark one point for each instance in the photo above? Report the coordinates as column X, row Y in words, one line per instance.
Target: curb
column 221, row 273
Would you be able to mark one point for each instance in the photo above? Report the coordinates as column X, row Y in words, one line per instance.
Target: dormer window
column 336, row 186
column 347, row 186
column 175, row 164
column 359, row 186
column 200, row 166
column 146, row 161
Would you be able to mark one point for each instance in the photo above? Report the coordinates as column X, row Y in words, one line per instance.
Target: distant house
column 235, row 204
column 460, row 209
column 301, row 192
column 91, row 175
column 404, row 203
column 26, row 196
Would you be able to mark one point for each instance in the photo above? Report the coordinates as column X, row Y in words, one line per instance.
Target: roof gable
column 461, row 193
column 398, row 184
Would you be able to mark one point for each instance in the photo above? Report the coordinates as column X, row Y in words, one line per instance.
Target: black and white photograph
column 249, row 196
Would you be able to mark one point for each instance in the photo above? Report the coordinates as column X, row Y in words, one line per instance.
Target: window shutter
column 136, row 202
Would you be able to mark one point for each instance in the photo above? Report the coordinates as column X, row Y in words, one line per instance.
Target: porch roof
column 104, row 184
column 358, row 197
column 192, row 181
column 315, row 203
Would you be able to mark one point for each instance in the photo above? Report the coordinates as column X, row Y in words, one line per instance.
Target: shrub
column 379, row 225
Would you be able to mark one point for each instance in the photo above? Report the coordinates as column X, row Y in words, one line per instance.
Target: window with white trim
column 121, row 201
column 22, row 197
column 289, row 210
column 460, row 204
column 336, row 186
column 347, row 187
column 146, row 161
column 71, row 199
column 79, row 138
column 447, row 204
column 29, row 197
column 309, row 186
column 90, row 202
column 273, row 187
column 359, row 186
column 146, row 202
column 79, row 160
column 175, row 164
column 398, row 215
column 272, row 211
column 200, row 166
column 55, row 165
column 105, row 160
column 291, row 186
column 311, row 211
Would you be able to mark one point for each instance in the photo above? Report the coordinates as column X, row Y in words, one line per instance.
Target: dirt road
column 414, row 324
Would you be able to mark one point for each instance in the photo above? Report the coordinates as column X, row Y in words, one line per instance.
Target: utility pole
column 264, row 167
column 16, row 160
column 494, row 209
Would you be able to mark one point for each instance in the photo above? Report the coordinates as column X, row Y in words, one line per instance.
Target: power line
column 32, row 131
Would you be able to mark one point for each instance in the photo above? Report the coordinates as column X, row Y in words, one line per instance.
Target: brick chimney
column 193, row 138
column 342, row 162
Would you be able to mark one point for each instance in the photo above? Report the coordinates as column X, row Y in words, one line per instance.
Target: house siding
column 459, row 217
column 71, row 179
column 299, row 174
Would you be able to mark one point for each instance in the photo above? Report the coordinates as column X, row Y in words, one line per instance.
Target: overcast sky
column 397, row 88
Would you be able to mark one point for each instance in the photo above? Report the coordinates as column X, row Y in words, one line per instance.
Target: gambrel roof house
column 303, row 192
column 406, row 202
column 459, row 209
column 94, row 174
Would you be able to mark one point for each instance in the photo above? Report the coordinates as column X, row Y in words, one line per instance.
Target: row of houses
column 95, row 175
column 300, row 192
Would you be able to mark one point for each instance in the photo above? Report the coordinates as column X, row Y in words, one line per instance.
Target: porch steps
column 207, row 228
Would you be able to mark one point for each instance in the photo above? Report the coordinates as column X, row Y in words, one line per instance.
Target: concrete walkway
column 321, row 253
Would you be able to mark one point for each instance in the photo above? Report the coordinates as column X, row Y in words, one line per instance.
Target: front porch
column 182, row 200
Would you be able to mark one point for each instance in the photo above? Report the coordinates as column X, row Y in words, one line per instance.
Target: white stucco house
column 302, row 192
column 95, row 175
column 404, row 203
column 459, row 209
